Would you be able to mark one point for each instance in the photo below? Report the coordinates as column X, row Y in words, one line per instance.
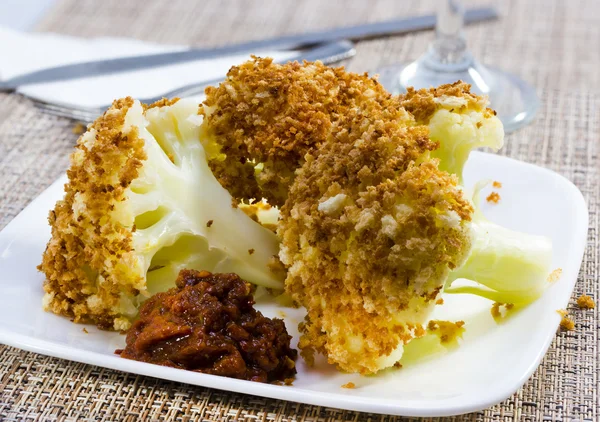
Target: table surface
column 552, row 43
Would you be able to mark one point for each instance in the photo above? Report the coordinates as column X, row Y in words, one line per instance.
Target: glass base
column 514, row 100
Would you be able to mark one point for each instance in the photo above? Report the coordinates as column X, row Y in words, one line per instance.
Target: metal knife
column 364, row 31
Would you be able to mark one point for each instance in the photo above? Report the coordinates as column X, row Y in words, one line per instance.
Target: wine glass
column 448, row 60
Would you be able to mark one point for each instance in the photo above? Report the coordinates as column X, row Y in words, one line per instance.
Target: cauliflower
column 265, row 117
column 376, row 225
column 140, row 205
column 459, row 120
column 370, row 264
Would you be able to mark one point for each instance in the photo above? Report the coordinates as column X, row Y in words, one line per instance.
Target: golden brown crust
column 554, row 275
column 424, row 102
column 86, row 246
column 501, row 310
column 364, row 232
column 446, row 330
column 274, row 114
column 163, row 102
column 493, row 197
column 585, row 302
column 567, row 324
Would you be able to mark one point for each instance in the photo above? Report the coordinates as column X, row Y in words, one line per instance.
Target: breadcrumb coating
column 554, row 275
column 164, row 102
column 447, row 331
column 456, row 97
column 566, row 323
column 370, row 229
column 500, row 310
column 458, row 119
column 86, row 245
column 585, row 302
column 493, row 197
column 271, row 115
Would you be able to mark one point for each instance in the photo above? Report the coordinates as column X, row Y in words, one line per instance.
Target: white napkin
column 26, row 52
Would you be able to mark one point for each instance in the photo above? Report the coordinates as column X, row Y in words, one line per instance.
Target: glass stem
column 449, row 49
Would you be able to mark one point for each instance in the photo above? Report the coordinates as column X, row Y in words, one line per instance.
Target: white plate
column 493, row 361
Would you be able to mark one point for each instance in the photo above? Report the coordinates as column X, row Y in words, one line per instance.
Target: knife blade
column 123, row 64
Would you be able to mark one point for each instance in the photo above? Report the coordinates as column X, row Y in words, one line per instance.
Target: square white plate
column 493, row 361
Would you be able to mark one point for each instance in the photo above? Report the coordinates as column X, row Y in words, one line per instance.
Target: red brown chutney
column 208, row 324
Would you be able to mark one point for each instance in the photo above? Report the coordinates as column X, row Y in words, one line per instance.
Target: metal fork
column 89, row 114
column 327, row 53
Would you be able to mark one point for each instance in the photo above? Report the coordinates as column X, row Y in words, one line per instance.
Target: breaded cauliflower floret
column 88, row 263
column 458, row 119
column 140, row 205
column 265, row 117
column 370, row 230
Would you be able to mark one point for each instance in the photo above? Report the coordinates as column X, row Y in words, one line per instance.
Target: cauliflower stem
column 503, row 265
column 176, row 196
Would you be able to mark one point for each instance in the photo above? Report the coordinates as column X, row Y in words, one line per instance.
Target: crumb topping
column 423, row 103
column 72, row 267
column 585, row 302
column 393, row 200
column 493, row 197
column 554, row 275
column 446, row 330
column 164, row 102
column 500, row 310
column 566, row 323
column 273, row 114
column 496, row 184
column 254, row 210
column 350, row 385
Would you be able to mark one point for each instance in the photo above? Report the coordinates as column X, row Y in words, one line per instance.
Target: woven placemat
column 552, row 43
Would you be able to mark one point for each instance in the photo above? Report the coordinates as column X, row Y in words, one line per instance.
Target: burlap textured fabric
column 552, row 43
